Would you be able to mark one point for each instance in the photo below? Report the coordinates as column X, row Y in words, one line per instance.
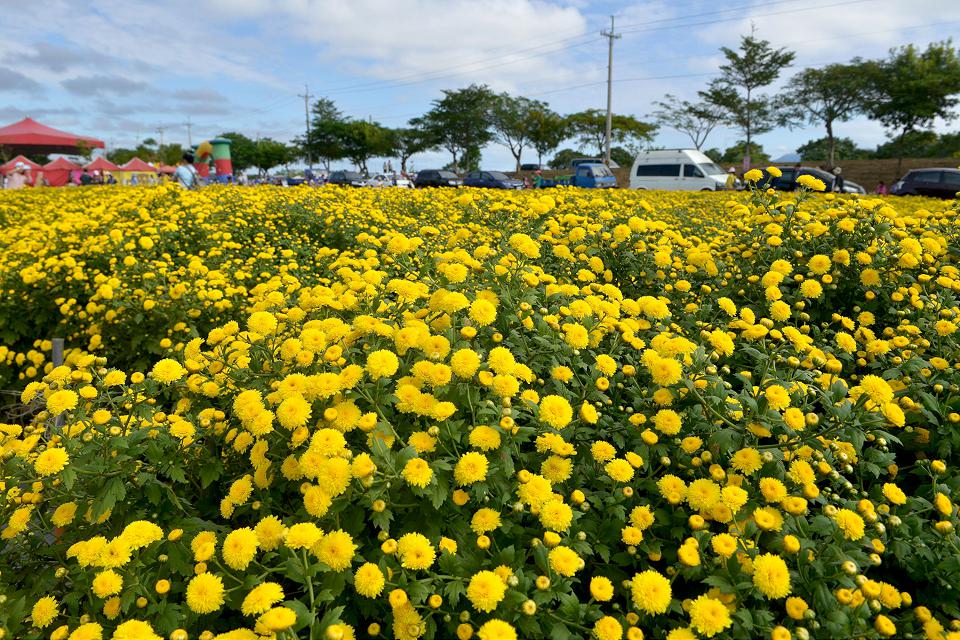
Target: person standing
column 731, row 182
column 18, row 178
column 186, row 174
column 838, row 180
column 881, row 188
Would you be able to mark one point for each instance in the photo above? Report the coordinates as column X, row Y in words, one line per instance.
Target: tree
column 696, row 120
column 362, row 140
column 243, row 151
column 922, row 144
column 740, row 151
column 827, row 95
column 563, row 158
column 842, row 149
column 513, row 122
column 327, row 131
column 170, row 154
column 755, row 66
column 271, row 153
column 622, row 156
column 911, row 89
column 714, row 154
column 548, row 129
column 590, row 126
column 409, row 142
column 460, row 123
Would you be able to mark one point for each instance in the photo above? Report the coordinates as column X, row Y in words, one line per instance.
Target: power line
column 457, row 70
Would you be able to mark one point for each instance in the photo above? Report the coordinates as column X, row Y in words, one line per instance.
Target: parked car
column 347, row 178
column 587, row 176
column 578, row 161
column 491, row 180
column 387, row 180
column 787, row 181
column 938, row 183
column 437, row 178
column 677, row 170
column 852, row 187
column 530, row 167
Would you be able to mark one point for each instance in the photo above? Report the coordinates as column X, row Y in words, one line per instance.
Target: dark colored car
column 530, row 167
column 346, row 178
column 788, row 181
column 437, row 178
column 491, row 180
column 937, row 183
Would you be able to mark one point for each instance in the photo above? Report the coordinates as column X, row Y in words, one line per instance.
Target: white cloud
column 458, row 40
column 821, row 33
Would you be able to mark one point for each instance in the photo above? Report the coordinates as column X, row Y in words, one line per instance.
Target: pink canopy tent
column 57, row 172
column 28, row 135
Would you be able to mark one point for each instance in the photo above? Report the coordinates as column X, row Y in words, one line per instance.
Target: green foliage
column 844, row 149
column 922, row 144
column 547, row 132
column 738, row 151
column 515, row 121
column 827, row 95
column 563, row 158
column 912, row 88
column 589, row 129
column 460, row 122
column 696, row 120
column 755, row 66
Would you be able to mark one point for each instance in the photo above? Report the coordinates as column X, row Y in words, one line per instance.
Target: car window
column 672, row 170
column 583, row 171
column 447, row 175
column 927, row 177
column 496, row 175
column 951, row 179
column 473, row 175
column 711, row 169
column 788, row 174
column 692, row 171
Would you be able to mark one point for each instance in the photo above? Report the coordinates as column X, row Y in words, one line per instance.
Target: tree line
column 906, row 92
column 462, row 123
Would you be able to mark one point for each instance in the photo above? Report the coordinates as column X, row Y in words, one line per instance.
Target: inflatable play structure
column 214, row 152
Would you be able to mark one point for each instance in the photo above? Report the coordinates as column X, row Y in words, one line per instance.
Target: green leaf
column 113, row 491
column 559, row 631
column 304, row 616
column 332, row 616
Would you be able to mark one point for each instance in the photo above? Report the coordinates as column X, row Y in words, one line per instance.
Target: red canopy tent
column 101, row 164
column 30, row 135
column 167, row 169
column 7, row 167
column 138, row 165
column 57, row 172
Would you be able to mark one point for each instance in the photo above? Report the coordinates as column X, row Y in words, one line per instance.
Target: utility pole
column 306, row 116
column 610, row 36
column 189, row 133
column 160, row 130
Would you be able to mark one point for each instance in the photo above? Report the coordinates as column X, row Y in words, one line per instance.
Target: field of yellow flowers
column 336, row 414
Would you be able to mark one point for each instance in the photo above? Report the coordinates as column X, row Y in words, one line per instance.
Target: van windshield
column 601, row 171
column 711, row 169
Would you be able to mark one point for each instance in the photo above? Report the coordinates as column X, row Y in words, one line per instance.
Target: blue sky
column 121, row 71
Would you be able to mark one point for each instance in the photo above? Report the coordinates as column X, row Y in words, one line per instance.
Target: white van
column 676, row 170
